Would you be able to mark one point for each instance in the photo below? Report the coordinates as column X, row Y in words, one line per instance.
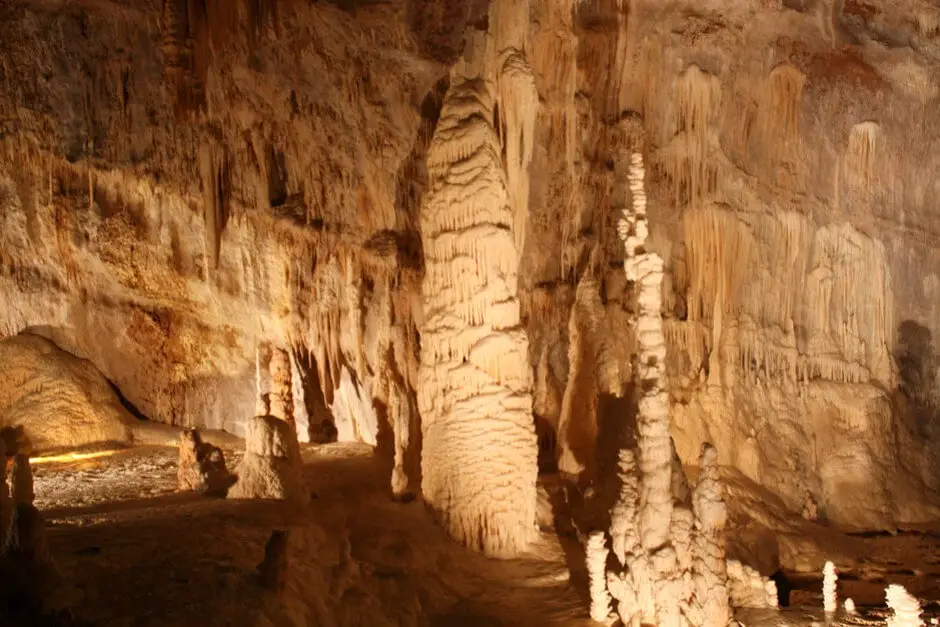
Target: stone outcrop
column 271, row 467
column 201, row 466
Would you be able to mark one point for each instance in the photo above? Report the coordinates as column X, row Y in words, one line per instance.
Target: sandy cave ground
column 139, row 553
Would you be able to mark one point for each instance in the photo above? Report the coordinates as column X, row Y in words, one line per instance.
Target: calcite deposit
column 201, row 465
column 271, row 467
column 612, row 239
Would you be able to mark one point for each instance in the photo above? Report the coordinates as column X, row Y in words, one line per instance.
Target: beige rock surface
column 59, row 400
column 177, row 189
column 271, row 466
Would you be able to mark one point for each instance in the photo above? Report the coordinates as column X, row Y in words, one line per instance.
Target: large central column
column 479, row 459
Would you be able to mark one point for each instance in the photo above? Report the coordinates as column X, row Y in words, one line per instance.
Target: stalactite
column 780, row 113
column 213, row 170
column 860, row 154
column 479, row 457
column 518, row 108
column 698, row 96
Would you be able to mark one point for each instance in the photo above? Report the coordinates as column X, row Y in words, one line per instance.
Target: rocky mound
column 60, row 400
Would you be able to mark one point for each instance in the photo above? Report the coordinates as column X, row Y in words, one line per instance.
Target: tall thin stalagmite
column 655, row 444
column 479, row 457
column 673, row 556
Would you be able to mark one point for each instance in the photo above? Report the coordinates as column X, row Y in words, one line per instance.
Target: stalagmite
column 596, row 556
column 21, row 481
column 906, row 609
column 271, row 468
column 850, row 607
column 625, row 537
column 201, row 466
column 655, row 444
column 282, row 396
column 711, row 588
column 747, row 588
column 479, row 456
column 830, row 597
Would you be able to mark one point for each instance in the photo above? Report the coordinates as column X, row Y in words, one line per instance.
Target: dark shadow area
column 321, row 428
column 783, row 588
column 129, row 406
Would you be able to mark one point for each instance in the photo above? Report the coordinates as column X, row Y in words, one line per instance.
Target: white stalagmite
column 654, row 442
column 850, row 607
column 625, row 537
column 748, row 588
column 479, row 456
column 596, row 556
column 282, row 395
column 830, row 596
column 907, row 610
column 710, row 570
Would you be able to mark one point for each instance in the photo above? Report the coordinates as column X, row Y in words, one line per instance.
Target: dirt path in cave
column 138, row 553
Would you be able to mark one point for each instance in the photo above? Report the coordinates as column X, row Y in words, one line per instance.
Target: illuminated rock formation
column 749, row 589
column 596, row 553
column 830, row 595
column 201, row 465
column 710, row 569
column 474, row 389
column 58, row 399
column 906, row 610
column 271, row 468
column 849, row 606
column 673, row 556
column 282, row 396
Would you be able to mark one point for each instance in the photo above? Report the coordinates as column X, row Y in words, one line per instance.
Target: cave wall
column 183, row 181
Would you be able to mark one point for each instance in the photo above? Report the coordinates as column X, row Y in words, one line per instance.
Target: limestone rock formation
column 596, row 554
column 58, row 399
column 21, row 481
column 184, row 182
column 749, row 589
column 271, row 467
column 830, row 595
column 906, row 610
column 273, row 568
column 479, row 457
column 201, row 465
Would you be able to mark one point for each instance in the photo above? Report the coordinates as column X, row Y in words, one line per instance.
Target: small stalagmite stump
column 21, row 481
column 201, row 466
column 273, row 568
column 271, row 468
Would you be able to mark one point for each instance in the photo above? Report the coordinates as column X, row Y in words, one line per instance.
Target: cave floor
column 136, row 552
